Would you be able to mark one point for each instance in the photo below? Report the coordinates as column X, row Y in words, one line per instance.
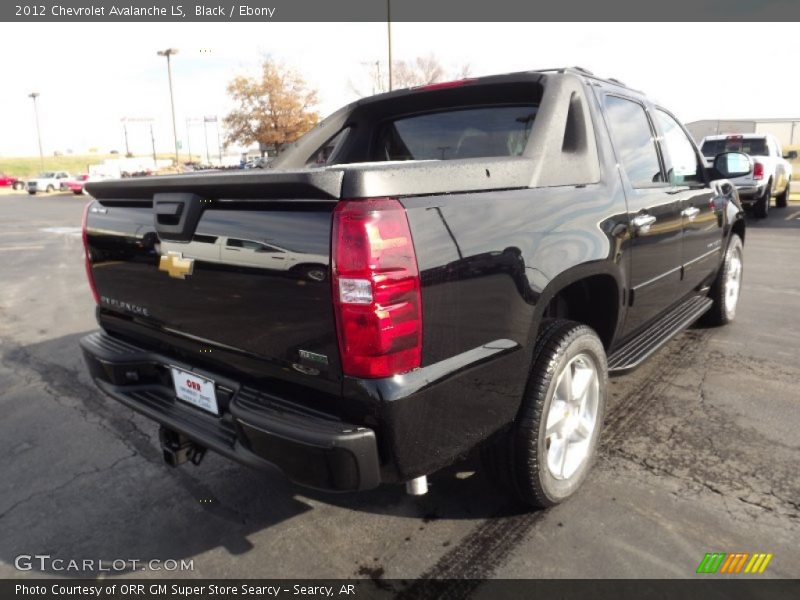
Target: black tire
column 315, row 273
column 78, row 192
column 31, row 193
column 722, row 312
column 783, row 199
column 18, row 186
column 50, row 189
column 519, row 456
column 761, row 208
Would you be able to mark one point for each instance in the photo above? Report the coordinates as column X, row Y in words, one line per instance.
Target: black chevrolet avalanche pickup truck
column 428, row 272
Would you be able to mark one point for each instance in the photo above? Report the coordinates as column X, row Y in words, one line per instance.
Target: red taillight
column 86, row 258
column 376, row 288
column 758, row 171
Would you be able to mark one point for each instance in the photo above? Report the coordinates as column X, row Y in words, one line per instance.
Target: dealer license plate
column 195, row 390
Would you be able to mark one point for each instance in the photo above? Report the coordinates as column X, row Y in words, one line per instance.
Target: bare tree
column 422, row 70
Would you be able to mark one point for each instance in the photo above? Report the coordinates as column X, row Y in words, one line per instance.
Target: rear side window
column 633, row 140
column 463, row 133
column 753, row 146
column 326, row 154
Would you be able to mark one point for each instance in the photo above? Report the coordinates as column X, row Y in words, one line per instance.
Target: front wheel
column 18, row 186
column 547, row 454
column 727, row 285
column 50, row 189
column 783, row 199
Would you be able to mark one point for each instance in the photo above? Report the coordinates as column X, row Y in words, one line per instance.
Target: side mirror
column 790, row 155
column 733, row 164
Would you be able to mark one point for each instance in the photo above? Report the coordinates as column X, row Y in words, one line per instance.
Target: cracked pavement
column 700, row 453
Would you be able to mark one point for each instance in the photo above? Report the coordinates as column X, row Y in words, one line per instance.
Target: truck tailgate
column 251, row 279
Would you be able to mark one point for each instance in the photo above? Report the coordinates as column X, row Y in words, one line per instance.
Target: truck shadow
column 135, row 506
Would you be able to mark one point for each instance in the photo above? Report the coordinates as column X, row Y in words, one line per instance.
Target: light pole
column 34, row 96
column 125, row 132
column 219, row 143
column 205, row 134
column 169, row 52
column 189, row 139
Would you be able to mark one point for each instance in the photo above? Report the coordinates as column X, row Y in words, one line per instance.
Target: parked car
column 257, row 163
column 75, row 185
column 494, row 248
column 772, row 173
column 49, row 182
column 12, row 182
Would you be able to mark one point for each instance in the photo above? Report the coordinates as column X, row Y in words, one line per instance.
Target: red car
column 75, row 185
column 13, row 182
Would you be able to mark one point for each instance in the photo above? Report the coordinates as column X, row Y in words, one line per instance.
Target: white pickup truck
column 771, row 174
column 49, row 181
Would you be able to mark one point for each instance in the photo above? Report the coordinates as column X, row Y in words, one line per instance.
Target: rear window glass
column 754, row 147
column 453, row 134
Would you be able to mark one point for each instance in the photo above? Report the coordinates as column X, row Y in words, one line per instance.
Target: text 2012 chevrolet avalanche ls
column 469, row 262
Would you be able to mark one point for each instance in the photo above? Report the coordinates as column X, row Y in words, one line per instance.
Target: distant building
column 786, row 130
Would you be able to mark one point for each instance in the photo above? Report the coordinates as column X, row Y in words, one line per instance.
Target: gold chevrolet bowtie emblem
column 177, row 266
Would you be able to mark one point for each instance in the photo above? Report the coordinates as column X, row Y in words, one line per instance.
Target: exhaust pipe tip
column 417, row 486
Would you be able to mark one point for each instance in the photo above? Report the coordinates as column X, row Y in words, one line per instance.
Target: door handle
column 642, row 223
column 690, row 213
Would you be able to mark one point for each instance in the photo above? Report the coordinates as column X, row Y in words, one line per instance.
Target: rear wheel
column 549, row 450
column 783, row 199
column 761, row 209
column 31, row 192
column 18, row 185
column 727, row 285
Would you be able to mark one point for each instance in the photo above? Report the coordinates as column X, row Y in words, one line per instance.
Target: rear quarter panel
column 486, row 260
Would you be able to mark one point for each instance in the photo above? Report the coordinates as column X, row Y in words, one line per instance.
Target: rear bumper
column 749, row 194
column 255, row 428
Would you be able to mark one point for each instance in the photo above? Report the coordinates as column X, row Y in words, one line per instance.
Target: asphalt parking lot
column 700, row 454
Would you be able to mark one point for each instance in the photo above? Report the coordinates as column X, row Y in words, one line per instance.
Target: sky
column 91, row 75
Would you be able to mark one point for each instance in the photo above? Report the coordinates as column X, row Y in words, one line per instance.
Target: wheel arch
column 738, row 227
column 589, row 293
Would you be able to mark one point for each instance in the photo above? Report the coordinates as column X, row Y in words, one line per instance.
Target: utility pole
column 34, row 96
column 389, row 31
column 125, row 131
column 153, row 140
column 170, row 52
